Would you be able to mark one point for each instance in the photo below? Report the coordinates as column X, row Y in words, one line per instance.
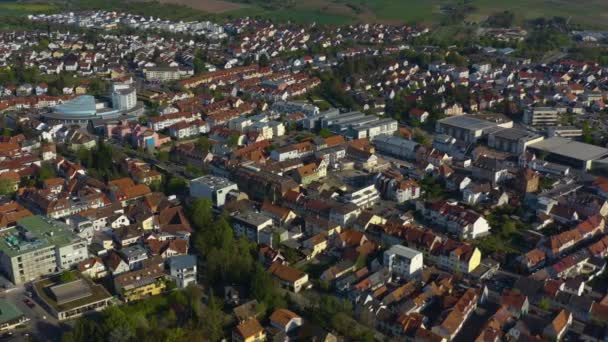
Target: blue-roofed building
column 85, row 108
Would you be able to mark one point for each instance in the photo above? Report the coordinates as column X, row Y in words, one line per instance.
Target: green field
column 16, row 8
column 588, row 13
column 592, row 14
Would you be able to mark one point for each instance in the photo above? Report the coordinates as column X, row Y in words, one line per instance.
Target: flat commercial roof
column 8, row 311
column 69, row 292
column 35, row 232
column 514, row 134
column 467, row 122
column 571, row 149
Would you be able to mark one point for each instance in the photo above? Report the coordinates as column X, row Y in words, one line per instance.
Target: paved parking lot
column 41, row 327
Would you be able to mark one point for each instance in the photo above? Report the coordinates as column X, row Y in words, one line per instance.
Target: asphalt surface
column 41, row 327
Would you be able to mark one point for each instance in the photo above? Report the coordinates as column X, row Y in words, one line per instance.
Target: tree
column 211, row 325
column 233, row 139
column 67, row 276
column 325, row 133
column 263, row 288
column 117, row 325
column 263, row 61
column 6, row 186
column 203, row 144
column 201, row 214
column 176, row 185
column 46, row 171
column 501, row 19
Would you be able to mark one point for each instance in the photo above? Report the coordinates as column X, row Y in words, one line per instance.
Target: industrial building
column 541, row 116
column 512, row 140
column 569, row 152
column 396, row 146
column 470, row 128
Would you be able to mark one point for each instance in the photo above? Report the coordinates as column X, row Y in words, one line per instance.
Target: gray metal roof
column 182, row 261
column 571, row 149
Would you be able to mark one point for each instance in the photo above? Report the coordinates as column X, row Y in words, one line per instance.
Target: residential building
column 290, row 278
column 39, row 246
column 249, row 331
column 212, row 188
column 142, row 283
column 465, row 223
column 559, row 325
column 249, row 224
column 403, row 261
column 182, row 269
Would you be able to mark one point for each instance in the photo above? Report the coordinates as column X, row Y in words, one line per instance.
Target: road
column 41, row 327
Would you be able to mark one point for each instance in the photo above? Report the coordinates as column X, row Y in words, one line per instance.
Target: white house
column 403, row 261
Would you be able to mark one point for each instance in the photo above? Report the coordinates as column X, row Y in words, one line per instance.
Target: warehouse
column 569, row 152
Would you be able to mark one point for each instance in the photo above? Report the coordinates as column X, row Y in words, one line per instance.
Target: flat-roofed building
column 403, row 261
column 569, row 152
column 182, row 269
column 72, row 299
column 470, row 128
column 512, row 140
column 249, row 224
column 39, row 246
column 395, row 146
column 564, row 132
column 541, row 116
column 212, row 188
column 10, row 316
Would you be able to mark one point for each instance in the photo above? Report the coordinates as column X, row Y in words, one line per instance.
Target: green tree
column 325, row 133
column 46, row 171
column 203, row 144
column 211, row 325
column 67, row 276
column 6, row 186
column 201, row 214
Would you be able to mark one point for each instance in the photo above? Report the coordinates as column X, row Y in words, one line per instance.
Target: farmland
column 16, row 9
column 592, row 14
column 210, row 6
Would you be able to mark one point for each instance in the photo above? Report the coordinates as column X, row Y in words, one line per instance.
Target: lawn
column 19, row 9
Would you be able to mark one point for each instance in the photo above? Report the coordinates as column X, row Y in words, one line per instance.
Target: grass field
column 210, row 6
column 17, row 9
column 591, row 14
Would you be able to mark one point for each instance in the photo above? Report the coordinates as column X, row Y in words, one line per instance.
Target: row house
column 465, row 223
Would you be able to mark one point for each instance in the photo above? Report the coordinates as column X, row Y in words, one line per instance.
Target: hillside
column 590, row 13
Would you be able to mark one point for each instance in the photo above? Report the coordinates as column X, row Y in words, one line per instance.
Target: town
column 252, row 180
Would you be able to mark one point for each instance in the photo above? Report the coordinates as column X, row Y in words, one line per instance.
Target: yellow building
column 459, row 257
column 249, row 331
column 139, row 284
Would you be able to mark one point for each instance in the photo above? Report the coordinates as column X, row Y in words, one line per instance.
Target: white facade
column 182, row 269
column 364, row 197
column 403, row 261
column 213, row 188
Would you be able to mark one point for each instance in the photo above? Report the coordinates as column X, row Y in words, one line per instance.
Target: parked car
column 29, row 303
